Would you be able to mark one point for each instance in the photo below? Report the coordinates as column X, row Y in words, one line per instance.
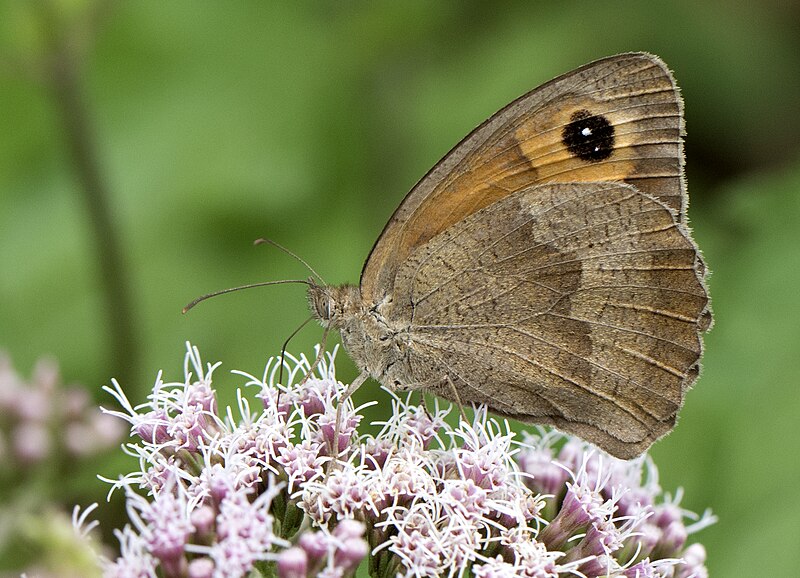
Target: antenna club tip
column 259, row 241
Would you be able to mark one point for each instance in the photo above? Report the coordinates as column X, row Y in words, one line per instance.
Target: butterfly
column 545, row 267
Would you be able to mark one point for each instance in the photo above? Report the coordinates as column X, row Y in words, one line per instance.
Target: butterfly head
column 332, row 305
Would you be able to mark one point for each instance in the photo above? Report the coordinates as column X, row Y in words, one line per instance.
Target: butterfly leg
column 312, row 367
column 454, row 390
column 334, row 443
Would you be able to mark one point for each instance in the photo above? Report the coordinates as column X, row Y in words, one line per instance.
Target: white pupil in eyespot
column 586, row 132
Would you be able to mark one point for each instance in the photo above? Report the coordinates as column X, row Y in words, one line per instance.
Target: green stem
column 81, row 146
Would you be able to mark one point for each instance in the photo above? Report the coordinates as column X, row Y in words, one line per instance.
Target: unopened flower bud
column 201, row 568
column 292, row 563
column 203, row 519
column 348, row 528
column 315, row 544
column 349, row 555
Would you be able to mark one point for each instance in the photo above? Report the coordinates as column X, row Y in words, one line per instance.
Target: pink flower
column 219, row 494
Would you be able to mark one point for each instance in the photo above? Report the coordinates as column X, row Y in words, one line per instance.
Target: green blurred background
column 214, row 123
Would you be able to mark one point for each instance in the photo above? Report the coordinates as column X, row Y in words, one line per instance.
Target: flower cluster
column 610, row 514
column 284, row 490
column 42, row 421
column 47, row 431
column 325, row 554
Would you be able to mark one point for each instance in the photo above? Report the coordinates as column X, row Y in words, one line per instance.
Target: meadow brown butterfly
column 544, row 267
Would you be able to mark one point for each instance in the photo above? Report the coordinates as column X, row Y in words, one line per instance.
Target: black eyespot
column 589, row 137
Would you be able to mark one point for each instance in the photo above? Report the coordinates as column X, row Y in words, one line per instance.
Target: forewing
column 628, row 103
column 578, row 305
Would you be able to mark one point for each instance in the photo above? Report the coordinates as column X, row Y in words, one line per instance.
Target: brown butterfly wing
column 628, row 103
column 575, row 305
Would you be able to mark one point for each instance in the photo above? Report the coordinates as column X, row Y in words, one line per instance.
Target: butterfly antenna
column 232, row 289
column 291, row 254
column 286, row 344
